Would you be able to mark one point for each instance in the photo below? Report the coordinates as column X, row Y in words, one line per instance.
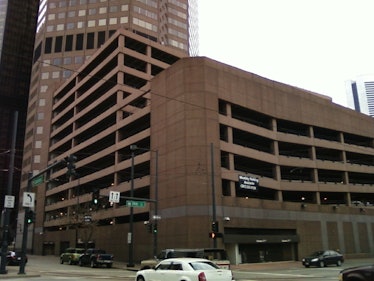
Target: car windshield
column 318, row 253
column 201, row 265
column 215, row 254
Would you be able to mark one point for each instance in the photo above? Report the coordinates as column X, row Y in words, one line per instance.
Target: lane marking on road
column 285, row 274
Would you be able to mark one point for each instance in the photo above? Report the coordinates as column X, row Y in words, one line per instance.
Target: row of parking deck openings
column 261, row 120
column 305, row 197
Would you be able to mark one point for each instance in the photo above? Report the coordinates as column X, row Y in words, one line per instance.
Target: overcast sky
column 312, row 44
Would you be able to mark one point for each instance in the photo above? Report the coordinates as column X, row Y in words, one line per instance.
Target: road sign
column 9, row 201
column 114, row 196
column 28, row 199
column 38, row 180
column 137, row 204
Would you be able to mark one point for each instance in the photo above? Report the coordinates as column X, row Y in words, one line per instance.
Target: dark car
column 96, row 257
column 358, row 273
column 14, row 258
column 323, row 258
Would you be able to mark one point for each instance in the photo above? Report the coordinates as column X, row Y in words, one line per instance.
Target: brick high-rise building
column 17, row 30
column 69, row 32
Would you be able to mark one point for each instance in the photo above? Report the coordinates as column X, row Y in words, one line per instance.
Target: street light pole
column 155, row 233
column 214, row 214
column 130, row 234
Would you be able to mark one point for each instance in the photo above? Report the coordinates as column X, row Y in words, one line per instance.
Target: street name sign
column 38, row 180
column 136, row 204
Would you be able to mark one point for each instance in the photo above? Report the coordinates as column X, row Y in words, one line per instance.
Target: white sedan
column 185, row 269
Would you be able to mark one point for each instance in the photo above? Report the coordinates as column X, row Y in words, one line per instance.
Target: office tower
column 69, row 32
column 17, row 30
column 360, row 94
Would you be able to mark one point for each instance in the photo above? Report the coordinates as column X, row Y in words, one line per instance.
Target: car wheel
column 93, row 264
column 61, row 261
column 339, row 263
column 70, row 262
column 140, row 278
column 109, row 265
column 321, row 264
column 307, row 266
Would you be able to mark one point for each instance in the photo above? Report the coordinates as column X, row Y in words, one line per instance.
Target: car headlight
column 315, row 259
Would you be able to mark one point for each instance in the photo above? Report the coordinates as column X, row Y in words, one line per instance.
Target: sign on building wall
column 248, row 182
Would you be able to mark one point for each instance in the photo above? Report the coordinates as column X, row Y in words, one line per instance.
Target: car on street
column 177, row 269
column 95, row 258
column 14, row 258
column 71, row 255
column 357, row 273
column 216, row 255
column 323, row 258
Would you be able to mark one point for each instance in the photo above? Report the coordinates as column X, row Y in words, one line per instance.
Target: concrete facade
column 203, row 124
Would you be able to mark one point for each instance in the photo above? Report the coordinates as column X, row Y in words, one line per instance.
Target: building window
column 113, row 9
column 50, row 28
column 124, row 20
column 70, row 25
column 102, row 10
column 78, row 60
column 80, row 24
column 40, row 116
column 58, row 44
column 71, row 14
column 69, row 43
column 60, row 27
column 39, row 130
column 61, row 15
column 113, row 21
column 124, row 8
column 91, row 23
column 38, row 144
column 90, row 40
column 36, row 158
column 42, row 102
column 102, row 22
column 79, row 42
column 45, row 75
column 92, row 12
column 43, row 89
column 67, row 60
column 51, row 16
column 57, row 61
column 48, row 45
column 66, row 73
column 100, row 38
column 55, row 74
column 82, row 13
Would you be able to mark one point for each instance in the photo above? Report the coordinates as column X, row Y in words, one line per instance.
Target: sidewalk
column 13, row 272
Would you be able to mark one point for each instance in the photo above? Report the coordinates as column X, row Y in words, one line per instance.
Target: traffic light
column 95, row 196
column 70, row 164
column 212, row 235
column 214, row 226
column 149, row 227
column 30, row 216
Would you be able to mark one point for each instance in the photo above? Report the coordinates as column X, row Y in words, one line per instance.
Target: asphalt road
column 48, row 268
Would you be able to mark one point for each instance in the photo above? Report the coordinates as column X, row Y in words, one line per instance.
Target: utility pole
column 4, row 247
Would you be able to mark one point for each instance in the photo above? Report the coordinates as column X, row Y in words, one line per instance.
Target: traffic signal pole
column 4, row 247
column 25, row 224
